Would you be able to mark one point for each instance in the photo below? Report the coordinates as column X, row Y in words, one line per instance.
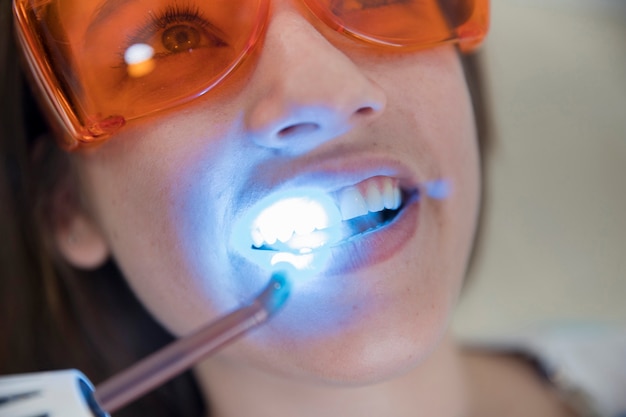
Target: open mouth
column 303, row 224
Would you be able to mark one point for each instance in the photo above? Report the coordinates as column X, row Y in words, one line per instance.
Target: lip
column 328, row 174
column 377, row 246
column 337, row 173
column 332, row 174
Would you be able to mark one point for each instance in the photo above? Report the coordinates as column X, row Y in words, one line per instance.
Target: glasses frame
column 75, row 133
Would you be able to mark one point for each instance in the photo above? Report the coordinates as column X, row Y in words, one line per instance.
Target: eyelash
column 161, row 20
column 367, row 4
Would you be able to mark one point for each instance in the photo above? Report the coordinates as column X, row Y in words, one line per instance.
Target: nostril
column 310, row 127
column 365, row 111
column 298, row 129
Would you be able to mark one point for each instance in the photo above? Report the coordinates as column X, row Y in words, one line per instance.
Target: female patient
column 168, row 122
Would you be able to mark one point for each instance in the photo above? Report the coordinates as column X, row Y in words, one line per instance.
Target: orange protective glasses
column 100, row 63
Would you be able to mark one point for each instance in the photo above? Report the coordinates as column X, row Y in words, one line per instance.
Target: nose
column 306, row 91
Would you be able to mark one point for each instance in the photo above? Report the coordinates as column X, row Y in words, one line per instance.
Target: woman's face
column 309, row 109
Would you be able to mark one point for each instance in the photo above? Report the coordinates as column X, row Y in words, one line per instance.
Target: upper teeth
column 302, row 216
column 370, row 196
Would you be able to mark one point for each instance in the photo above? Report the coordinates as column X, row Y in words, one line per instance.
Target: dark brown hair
column 53, row 316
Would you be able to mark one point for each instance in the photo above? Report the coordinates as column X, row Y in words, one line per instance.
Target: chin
column 377, row 363
column 377, row 346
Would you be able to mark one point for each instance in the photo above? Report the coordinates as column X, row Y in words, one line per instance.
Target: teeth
column 293, row 216
column 284, row 234
column 269, row 234
column 374, row 198
column 292, row 220
column 257, row 238
column 389, row 200
column 351, row 203
column 371, row 196
column 397, row 198
column 305, row 227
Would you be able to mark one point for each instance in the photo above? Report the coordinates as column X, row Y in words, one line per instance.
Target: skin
column 370, row 334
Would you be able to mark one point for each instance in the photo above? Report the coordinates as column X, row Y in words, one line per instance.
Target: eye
column 368, row 4
column 181, row 38
column 354, row 5
column 178, row 29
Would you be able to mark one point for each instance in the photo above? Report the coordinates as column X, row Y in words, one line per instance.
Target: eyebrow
column 104, row 11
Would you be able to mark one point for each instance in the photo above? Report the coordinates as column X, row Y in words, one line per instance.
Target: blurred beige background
column 555, row 244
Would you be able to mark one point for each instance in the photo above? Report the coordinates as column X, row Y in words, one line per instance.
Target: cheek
column 456, row 147
column 437, row 104
column 161, row 204
column 434, row 106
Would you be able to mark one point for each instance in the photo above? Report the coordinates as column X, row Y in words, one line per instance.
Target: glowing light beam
column 293, row 227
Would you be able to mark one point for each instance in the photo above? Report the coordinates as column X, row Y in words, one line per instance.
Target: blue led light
column 294, row 227
column 438, row 189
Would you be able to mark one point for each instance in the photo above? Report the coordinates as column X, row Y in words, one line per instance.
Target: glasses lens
column 406, row 23
column 129, row 58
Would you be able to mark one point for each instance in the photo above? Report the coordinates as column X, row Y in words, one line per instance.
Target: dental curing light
column 69, row 393
column 65, row 393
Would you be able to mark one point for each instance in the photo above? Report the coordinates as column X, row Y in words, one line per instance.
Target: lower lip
column 377, row 246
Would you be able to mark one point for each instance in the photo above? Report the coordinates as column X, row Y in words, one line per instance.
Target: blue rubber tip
column 277, row 291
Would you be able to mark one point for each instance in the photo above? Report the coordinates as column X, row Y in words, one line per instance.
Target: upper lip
column 328, row 175
column 331, row 175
